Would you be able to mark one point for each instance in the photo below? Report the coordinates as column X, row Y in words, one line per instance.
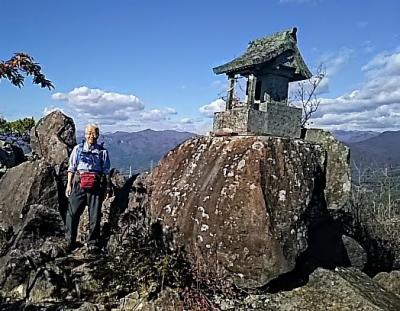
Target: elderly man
column 87, row 185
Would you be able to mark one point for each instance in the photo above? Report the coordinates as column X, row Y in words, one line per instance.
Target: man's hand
column 68, row 190
column 69, row 184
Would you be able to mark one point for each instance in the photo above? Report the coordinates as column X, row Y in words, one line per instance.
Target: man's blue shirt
column 91, row 159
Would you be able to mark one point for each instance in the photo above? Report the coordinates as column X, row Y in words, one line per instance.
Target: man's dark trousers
column 78, row 199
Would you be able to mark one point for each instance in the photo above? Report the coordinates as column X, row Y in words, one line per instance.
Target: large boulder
column 38, row 242
column 26, row 184
column 241, row 205
column 53, row 138
column 24, row 225
column 337, row 164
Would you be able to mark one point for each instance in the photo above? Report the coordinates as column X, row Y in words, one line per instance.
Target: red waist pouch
column 88, row 180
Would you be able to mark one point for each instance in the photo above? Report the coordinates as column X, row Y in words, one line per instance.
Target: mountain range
column 382, row 150
column 141, row 150
column 138, row 151
column 349, row 137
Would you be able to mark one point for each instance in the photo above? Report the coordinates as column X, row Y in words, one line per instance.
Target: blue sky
column 131, row 65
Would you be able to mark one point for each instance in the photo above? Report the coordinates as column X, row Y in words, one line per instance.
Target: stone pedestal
column 272, row 119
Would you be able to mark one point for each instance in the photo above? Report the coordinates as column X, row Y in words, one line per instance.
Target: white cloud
column 112, row 111
column 383, row 65
column 215, row 106
column 186, row 121
column 123, row 112
column 156, row 115
column 374, row 106
column 97, row 105
column 333, row 62
column 199, row 126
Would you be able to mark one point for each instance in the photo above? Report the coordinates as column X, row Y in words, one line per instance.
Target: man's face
column 91, row 135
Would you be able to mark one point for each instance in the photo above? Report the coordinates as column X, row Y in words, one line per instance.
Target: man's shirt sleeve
column 73, row 161
column 106, row 162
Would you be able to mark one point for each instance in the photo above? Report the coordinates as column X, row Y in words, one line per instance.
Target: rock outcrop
column 389, row 281
column 32, row 203
column 26, row 184
column 28, row 259
column 357, row 254
column 337, row 164
column 241, row 205
column 342, row 289
column 53, row 138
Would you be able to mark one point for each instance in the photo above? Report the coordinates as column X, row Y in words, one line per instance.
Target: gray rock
column 35, row 243
column 86, row 284
column 342, row 289
column 337, row 163
column 10, row 155
column 47, row 285
column 389, row 281
column 167, row 300
column 53, row 138
column 356, row 253
column 26, row 184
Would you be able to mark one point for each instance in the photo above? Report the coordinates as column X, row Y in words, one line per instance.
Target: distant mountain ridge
column 382, row 150
column 140, row 149
column 354, row 136
column 371, row 149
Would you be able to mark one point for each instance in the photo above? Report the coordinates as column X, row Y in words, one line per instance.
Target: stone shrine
column 269, row 64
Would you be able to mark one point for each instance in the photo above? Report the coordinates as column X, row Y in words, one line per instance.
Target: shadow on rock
column 325, row 245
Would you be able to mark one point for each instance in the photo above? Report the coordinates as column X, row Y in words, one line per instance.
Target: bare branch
column 306, row 94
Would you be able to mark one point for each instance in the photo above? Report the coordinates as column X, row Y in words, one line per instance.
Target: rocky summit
column 222, row 223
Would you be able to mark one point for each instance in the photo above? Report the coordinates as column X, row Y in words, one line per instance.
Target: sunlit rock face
column 53, row 138
column 26, row 184
column 240, row 204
